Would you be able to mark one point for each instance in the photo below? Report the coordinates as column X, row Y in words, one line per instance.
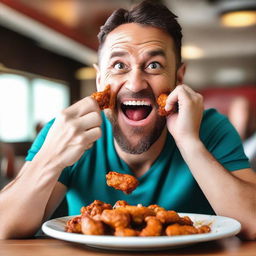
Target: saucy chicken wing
column 116, row 218
column 153, row 227
column 74, row 225
column 138, row 213
column 100, row 218
column 105, row 99
column 177, row 229
column 95, row 209
column 168, row 217
column 126, row 232
column 161, row 101
column 89, row 226
column 125, row 182
column 120, row 203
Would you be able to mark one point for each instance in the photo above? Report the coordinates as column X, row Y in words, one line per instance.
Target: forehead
column 137, row 37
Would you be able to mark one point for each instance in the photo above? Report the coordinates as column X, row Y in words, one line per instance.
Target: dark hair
column 146, row 13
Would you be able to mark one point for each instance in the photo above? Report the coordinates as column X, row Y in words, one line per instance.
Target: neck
column 141, row 163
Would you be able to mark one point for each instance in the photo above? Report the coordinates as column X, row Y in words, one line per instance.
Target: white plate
column 221, row 227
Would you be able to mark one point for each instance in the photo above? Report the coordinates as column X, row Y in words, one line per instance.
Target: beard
column 146, row 137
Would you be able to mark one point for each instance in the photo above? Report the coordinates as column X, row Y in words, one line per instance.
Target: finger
column 86, row 138
column 82, row 107
column 180, row 94
column 79, row 125
column 195, row 96
column 92, row 135
column 188, row 89
column 171, row 101
column 173, row 98
column 89, row 121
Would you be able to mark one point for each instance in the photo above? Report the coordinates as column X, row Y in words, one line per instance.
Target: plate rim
column 141, row 243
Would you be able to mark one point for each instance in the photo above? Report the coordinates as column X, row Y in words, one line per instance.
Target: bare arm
column 23, row 202
column 231, row 194
column 33, row 195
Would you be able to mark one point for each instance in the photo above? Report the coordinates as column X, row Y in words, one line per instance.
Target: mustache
column 145, row 93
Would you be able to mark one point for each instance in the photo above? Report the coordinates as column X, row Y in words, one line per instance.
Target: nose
column 136, row 80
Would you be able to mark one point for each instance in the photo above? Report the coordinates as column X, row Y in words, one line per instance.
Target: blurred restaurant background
column 48, row 47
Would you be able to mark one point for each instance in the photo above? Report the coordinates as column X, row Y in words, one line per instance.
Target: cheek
column 114, row 82
column 163, row 83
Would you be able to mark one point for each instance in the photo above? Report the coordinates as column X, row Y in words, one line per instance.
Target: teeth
column 136, row 103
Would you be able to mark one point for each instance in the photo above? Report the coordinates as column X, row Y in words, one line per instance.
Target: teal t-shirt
column 168, row 183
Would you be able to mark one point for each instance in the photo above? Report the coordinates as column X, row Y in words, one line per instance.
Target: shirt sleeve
column 39, row 141
column 223, row 141
column 36, row 146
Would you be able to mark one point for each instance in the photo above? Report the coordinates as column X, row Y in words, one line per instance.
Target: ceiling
column 228, row 54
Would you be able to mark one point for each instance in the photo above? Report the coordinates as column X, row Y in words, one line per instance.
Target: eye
column 154, row 65
column 119, row 66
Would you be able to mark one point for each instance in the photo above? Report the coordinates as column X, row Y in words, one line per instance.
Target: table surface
column 53, row 247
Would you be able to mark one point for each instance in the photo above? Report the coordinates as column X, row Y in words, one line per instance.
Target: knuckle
column 200, row 97
column 92, row 103
column 179, row 87
column 72, row 130
column 95, row 118
column 80, row 139
column 90, row 100
column 63, row 116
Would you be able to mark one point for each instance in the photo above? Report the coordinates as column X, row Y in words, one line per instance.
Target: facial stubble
column 145, row 138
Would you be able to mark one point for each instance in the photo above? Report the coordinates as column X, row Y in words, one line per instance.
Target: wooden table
column 232, row 246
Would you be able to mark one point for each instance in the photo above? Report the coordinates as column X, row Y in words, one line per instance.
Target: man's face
column 139, row 63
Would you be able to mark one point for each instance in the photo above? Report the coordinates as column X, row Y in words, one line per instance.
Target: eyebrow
column 154, row 53
column 118, row 54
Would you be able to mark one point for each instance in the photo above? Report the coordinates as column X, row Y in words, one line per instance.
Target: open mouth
column 136, row 110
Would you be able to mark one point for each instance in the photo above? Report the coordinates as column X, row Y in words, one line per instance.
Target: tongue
column 136, row 114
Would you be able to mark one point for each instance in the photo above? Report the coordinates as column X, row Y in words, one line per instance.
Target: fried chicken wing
column 153, row 227
column 105, row 99
column 100, row 218
column 116, row 218
column 161, row 101
column 125, row 182
column 185, row 221
column 177, row 229
column 89, row 226
column 126, row 232
column 138, row 213
column 95, row 209
column 168, row 217
column 120, row 203
column 156, row 208
column 74, row 225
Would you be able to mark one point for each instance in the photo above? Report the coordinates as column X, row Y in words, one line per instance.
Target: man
column 189, row 161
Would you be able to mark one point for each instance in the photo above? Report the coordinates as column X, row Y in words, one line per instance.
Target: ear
column 181, row 73
column 97, row 76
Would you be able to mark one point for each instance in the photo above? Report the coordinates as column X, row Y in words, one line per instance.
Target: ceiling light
column 239, row 19
column 237, row 13
column 191, row 52
column 86, row 73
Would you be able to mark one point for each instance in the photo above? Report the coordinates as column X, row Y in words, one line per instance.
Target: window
column 49, row 98
column 26, row 101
